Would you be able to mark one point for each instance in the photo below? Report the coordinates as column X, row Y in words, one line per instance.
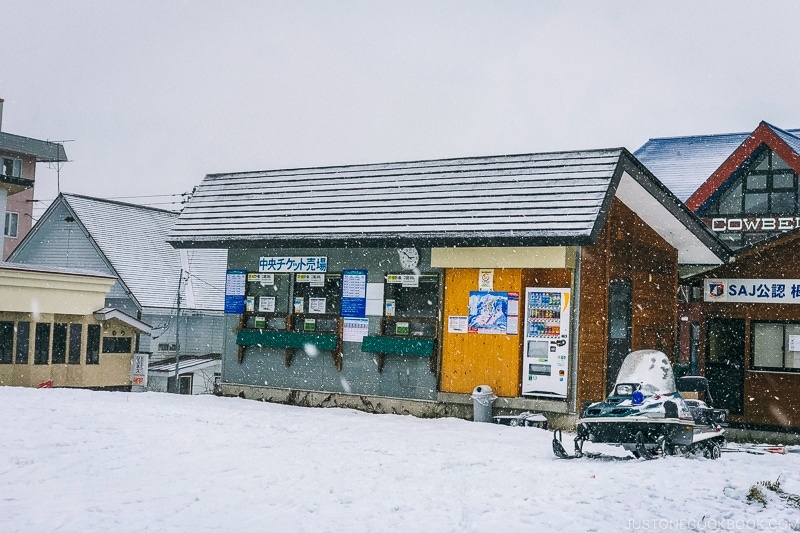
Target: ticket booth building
column 378, row 286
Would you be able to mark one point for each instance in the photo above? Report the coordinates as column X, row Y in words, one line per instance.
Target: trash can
column 482, row 400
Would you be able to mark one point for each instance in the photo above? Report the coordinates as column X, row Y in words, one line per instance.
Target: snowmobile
column 647, row 415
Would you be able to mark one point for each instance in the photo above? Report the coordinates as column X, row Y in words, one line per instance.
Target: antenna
column 58, row 163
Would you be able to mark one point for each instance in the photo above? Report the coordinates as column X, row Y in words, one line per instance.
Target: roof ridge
column 790, row 131
column 411, row 162
column 787, row 132
column 117, row 202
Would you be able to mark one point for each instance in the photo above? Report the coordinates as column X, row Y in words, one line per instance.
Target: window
column 41, row 345
column 93, row 344
column 6, row 342
column 167, row 347
column 59, row 356
column 11, row 167
column 116, row 345
column 75, row 334
column 776, row 346
column 23, row 342
column 185, row 384
column 11, row 227
column 770, row 186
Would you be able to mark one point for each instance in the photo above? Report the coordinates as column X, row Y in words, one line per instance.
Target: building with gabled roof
column 129, row 242
column 18, row 158
column 740, row 322
column 401, row 287
column 744, row 186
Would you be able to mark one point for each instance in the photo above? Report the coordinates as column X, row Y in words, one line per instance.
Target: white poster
column 486, row 280
column 355, row 329
column 512, row 325
column 266, row 304
column 317, row 306
column 794, row 343
column 374, row 299
column 457, row 324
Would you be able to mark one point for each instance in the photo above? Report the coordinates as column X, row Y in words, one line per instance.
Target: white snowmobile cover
column 651, row 369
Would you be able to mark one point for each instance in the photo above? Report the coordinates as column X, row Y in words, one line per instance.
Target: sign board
column 263, row 279
column 315, row 280
column 293, row 264
column 139, row 365
column 770, row 291
column 354, row 293
column 235, row 282
column 753, row 224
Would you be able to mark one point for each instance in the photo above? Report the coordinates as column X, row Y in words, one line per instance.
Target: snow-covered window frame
column 772, row 346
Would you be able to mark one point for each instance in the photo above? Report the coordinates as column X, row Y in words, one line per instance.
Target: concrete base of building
column 762, row 436
column 446, row 404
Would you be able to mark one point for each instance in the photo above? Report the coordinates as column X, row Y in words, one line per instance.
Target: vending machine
column 546, row 337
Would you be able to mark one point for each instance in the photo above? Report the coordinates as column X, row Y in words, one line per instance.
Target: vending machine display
column 546, row 348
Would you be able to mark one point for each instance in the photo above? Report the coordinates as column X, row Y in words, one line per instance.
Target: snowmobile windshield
column 651, row 369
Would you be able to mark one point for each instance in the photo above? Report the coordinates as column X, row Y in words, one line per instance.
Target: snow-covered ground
column 75, row 460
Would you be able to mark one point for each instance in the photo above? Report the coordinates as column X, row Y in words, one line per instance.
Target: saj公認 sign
column 781, row 291
column 753, row 224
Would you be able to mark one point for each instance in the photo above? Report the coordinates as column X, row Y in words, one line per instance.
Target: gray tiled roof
column 535, row 198
column 683, row 164
column 133, row 240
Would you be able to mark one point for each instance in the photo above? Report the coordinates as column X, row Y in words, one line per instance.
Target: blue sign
column 354, row 293
column 235, row 283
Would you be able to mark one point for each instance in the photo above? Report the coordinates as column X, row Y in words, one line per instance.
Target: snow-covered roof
column 108, row 313
column 683, row 164
column 132, row 240
column 530, row 200
column 187, row 365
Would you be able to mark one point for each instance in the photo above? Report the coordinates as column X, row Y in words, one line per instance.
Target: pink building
column 18, row 158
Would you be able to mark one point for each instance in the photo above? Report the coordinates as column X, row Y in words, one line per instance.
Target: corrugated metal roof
column 44, row 151
column 187, row 365
column 683, row 164
column 133, row 240
column 533, row 198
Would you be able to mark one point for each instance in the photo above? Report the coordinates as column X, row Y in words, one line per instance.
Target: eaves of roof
column 43, row 151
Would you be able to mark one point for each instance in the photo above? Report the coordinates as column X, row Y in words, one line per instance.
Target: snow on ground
column 74, row 460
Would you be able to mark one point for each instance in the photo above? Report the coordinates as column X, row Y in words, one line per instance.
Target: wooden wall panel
column 471, row 359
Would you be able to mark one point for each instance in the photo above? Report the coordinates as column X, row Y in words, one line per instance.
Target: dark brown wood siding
column 770, row 398
column 628, row 249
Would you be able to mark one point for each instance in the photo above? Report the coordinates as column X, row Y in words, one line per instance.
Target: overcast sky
column 153, row 95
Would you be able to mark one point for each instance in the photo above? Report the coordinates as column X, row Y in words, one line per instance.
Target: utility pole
column 178, row 338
